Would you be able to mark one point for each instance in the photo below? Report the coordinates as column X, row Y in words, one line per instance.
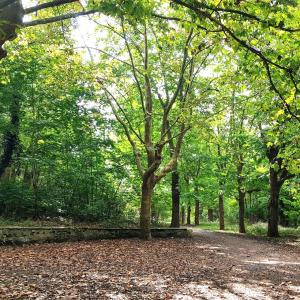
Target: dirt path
column 259, row 269
column 210, row 266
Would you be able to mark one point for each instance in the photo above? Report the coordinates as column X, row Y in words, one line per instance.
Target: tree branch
column 172, row 162
column 137, row 155
column 274, row 88
column 170, row 103
column 202, row 5
column 54, row 3
column 114, row 57
column 133, row 68
column 257, row 52
column 58, row 18
column 185, row 21
column 148, row 99
column 123, row 112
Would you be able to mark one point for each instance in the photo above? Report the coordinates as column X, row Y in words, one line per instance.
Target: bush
column 16, row 200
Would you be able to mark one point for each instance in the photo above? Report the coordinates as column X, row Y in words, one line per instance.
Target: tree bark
column 221, row 211
column 277, row 177
column 182, row 215
column 175, row 222
column 221, row 167
column 10, row 19
column 197, row 212
column 188, row 218
column 241, row 201
column 273, row 206
column 210, row 215
column 145, row 215
column 241, row 194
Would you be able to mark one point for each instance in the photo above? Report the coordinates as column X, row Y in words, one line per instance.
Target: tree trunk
column 276, row 180
column 197, row 212
column 221, row 167
column 241, row 194
column 242, row 228
column 283, row 219
column 221, row 211
column 210, row 215
column 182, row 215
column 175, row 222
column 145, row 215
column 10, row 20
column 273, row 206
column 11, row 137
column 188, row 218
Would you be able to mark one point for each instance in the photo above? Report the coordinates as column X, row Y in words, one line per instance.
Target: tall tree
column 281, row 168
column 161, row 97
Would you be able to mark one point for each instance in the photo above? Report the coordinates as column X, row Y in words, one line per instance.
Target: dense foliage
column 190, row 106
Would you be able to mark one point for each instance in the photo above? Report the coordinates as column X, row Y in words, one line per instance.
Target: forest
column 151, row 113
column 150, row 149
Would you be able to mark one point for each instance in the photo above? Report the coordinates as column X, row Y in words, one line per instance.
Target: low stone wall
column 21, row 235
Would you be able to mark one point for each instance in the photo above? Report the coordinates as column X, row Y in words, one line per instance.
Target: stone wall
column 21, row 235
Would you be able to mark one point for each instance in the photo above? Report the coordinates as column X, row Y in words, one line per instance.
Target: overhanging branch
column 55, row 3
column 241, row 13
column 266, row 61
column 58, row 18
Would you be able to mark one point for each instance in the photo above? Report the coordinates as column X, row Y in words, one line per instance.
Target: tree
column 196, row 166
column 57, row 158
column 161, row 97
column 242, row 25
column 243, row 22
column 281, row 168
column 223, row 72
column 278, row 175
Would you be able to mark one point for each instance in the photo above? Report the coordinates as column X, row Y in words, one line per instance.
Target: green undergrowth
column 57, row 222
column 257, row 229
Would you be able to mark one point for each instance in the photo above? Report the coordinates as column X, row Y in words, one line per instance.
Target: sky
column 84, row 32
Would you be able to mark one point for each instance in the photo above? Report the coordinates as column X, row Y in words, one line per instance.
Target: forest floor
column 212, row 265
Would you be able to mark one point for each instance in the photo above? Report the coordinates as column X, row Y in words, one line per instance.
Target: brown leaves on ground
column 209, row 266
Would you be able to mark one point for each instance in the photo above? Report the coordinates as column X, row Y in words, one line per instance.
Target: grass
column 257, row 229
